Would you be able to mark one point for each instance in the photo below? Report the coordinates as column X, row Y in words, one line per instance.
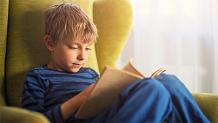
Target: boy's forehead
column 78, row 42
column 78, row 39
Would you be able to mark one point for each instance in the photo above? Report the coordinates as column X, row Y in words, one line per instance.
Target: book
column 107, row 89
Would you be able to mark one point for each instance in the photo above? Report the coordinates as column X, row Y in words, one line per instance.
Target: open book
column 111, row 83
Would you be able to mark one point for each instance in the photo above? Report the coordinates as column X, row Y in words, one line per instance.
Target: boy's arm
column 33, row 98
column 72, row 105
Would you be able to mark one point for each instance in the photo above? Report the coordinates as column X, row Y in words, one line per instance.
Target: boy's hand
column 88, row 90
column 85, row 93
column 73, row 104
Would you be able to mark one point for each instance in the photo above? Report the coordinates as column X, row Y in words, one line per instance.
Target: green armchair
column 21, row 48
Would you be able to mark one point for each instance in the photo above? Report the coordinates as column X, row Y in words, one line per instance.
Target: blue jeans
column 153, row 100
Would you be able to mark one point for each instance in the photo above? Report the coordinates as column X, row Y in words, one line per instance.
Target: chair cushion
column 3, row 36
column 18, row 115
column 208, row 102
column 25, row 48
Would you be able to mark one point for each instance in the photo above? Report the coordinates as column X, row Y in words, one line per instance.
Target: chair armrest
column 209, row 104
column 18, row 115
column 113, row 19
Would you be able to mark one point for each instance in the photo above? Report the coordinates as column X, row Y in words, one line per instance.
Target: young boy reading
column 58, row 88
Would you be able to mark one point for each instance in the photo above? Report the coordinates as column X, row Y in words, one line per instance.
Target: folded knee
column 150, row 85
column 169, row 81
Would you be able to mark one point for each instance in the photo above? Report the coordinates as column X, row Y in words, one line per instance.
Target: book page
column 130, row 68
column 109, row 86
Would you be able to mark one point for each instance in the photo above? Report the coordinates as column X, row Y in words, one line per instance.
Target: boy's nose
column 81, row 55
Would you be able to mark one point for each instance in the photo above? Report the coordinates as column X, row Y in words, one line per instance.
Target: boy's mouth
column 76, row 65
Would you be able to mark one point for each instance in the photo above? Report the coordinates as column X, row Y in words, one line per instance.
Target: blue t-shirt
column 46, row 89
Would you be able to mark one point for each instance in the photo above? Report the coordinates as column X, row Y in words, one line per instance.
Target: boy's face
column 68, row 56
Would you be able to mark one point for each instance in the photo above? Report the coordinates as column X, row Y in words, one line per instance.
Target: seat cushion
column 208, row 102
column 18, row 115
column 25, row 48
column 3, row 36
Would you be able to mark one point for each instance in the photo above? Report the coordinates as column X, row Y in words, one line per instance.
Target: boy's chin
column 74, row 70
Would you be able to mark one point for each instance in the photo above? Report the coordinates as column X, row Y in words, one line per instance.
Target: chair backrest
column 25, row 48
column 114, row 21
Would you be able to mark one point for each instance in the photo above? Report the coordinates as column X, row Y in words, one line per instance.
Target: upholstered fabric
column 3, row 36
column 113, row 29
column 25, row 48
column 209, row 105
column 18, row 115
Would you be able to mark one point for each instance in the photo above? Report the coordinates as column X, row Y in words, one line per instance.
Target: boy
column 58, row 88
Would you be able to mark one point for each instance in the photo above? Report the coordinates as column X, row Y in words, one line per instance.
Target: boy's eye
column 73, row 47
column 88, row 49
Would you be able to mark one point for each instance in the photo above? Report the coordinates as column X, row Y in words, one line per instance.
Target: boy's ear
column 49, row 43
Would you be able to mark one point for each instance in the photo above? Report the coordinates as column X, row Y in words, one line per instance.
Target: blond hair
column 69, row 22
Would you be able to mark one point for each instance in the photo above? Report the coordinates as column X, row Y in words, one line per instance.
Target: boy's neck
column 50, row 65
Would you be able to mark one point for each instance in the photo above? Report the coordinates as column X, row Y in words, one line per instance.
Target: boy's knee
column 149, row 85
column 172, row 84
column 169, row 80
column 153, row 85
column 169, row 77
column 146, row 89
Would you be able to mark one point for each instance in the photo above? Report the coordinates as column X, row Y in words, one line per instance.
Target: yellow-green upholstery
column 18, row 115
column 113, row 29
column 21, row 49
column 3, row 36
column 208, row 104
